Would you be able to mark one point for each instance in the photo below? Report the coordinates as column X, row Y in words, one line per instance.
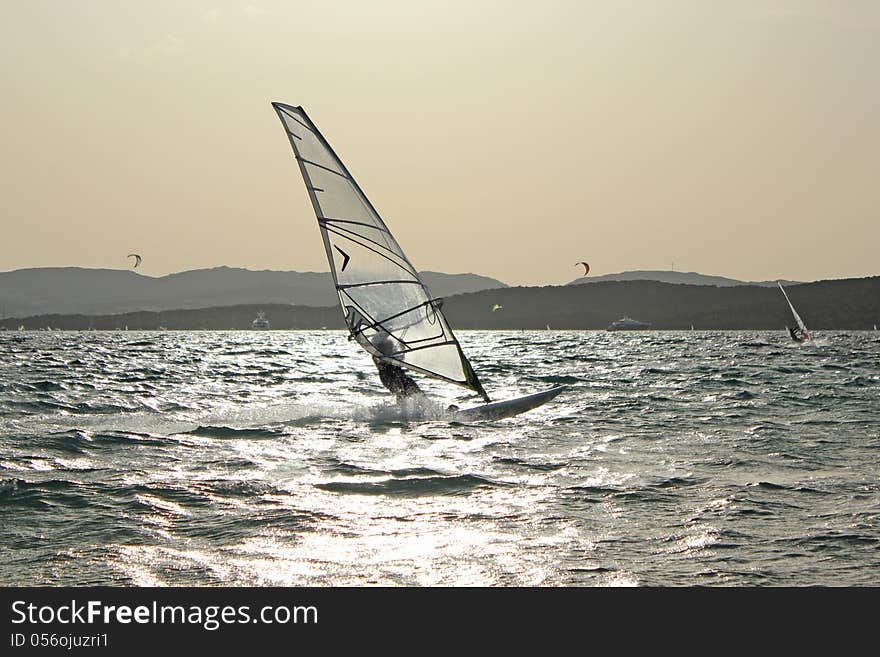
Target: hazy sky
column 508, row 138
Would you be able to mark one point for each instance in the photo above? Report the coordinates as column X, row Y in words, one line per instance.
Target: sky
column 504, row 138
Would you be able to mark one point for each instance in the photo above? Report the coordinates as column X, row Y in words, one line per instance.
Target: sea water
column 277, row 458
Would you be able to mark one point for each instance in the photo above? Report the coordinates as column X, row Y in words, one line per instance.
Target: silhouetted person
column 392, row 376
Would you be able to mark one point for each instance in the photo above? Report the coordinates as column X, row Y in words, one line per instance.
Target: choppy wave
column 411, row 486
column 232, row 432
column 253, row 458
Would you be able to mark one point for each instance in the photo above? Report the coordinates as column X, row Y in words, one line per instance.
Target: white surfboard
column 508, row 407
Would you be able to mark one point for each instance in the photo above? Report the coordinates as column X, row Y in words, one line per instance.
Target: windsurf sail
column 797, row 317
column 382, row 296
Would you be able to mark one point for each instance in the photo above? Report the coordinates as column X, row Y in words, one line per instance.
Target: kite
column 137, row 259
column 586, row 267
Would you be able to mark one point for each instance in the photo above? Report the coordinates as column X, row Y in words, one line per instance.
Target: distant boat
column 260, row 323
column 628, row 324
column 799, row 334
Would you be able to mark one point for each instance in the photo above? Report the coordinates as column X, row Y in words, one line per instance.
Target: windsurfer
column 392, row 376
column 798, row 334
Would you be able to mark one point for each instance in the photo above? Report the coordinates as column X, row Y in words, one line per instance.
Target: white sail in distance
column 797, row 317
column 387, row 307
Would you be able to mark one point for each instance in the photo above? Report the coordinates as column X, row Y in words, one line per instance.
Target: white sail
column 797, row 317
column 387, row 307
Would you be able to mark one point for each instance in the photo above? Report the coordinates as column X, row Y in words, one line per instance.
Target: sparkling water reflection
column 276, row 458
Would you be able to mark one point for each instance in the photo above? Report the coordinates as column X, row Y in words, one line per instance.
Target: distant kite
column 496, row 307
column 137, row 259
column 586, row 267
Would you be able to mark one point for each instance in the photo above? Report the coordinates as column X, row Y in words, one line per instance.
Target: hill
column 66, row 290
column 676, row 277
column 837, row 304
column 841, row 304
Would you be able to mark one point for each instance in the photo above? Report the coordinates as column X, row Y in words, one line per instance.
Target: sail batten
column 351, row 285
column 321, row 166
column 387, row 307
column 331, row 220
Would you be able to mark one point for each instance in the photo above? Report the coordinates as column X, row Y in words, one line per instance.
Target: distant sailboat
column 799, row 334
column 260, row 323
column 628, row 324
column 387, row 307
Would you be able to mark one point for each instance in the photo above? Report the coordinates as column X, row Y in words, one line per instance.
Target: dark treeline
column 840, row 304
column 280, row 316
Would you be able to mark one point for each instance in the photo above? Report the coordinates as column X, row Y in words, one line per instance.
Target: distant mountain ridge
column 46, row 290
column 845, row 304
column 676, row 277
